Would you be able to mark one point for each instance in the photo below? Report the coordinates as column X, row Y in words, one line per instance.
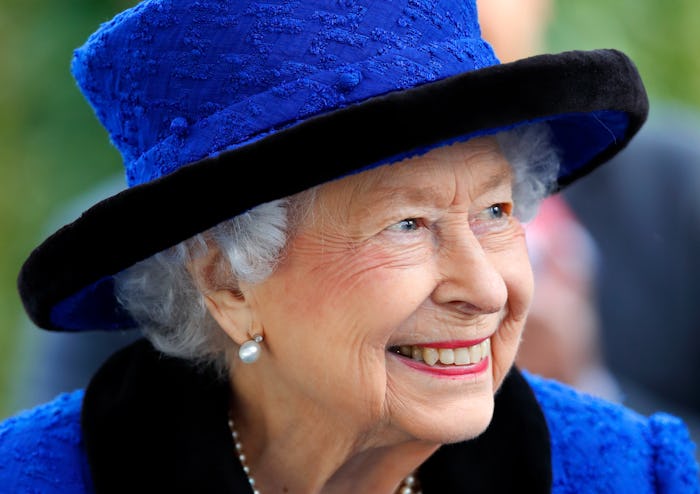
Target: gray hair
column 162, row 297
column 535, row 164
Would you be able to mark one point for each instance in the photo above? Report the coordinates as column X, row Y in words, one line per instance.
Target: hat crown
column 175, row 81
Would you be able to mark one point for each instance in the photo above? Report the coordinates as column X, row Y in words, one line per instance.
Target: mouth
column 448, row 354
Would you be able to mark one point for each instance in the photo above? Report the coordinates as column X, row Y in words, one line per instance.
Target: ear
column 232, row 312
column 224, row 300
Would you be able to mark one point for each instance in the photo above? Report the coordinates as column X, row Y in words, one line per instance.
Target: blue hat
column 198, row 94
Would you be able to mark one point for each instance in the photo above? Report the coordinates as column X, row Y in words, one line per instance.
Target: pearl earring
column 250, row 351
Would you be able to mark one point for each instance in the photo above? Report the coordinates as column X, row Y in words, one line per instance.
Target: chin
column 474, row 425
column 453, row 423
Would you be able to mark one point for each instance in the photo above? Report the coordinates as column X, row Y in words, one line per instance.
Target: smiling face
column 400, row 302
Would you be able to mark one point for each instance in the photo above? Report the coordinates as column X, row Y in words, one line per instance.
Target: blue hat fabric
column 176, row 81
column 197, row 95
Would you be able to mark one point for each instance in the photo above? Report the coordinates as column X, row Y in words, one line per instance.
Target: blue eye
column 496, row 211
column 494, row 217
column 406, row 225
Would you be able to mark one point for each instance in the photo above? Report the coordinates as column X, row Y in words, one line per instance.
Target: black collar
column 157, row 424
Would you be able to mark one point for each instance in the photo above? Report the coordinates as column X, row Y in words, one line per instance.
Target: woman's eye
column 496, row 211
column 495, row 216
column 406, row 225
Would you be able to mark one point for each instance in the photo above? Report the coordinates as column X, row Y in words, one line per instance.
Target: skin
column 419, row 251
column 515, row 28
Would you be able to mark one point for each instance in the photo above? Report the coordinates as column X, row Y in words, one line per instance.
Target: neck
column 376, row 470
column 300, row 449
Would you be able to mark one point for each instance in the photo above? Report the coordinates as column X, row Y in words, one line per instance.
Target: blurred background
column 55, row 159
column 52, row 149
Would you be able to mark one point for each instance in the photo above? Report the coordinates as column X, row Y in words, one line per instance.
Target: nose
column 469, row 280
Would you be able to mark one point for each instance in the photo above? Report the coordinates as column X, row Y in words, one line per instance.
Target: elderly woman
column 322, row 244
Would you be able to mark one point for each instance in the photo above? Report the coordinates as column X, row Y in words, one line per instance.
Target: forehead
column 468, row 168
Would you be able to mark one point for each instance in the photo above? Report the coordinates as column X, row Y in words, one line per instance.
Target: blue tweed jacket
column 545, row 437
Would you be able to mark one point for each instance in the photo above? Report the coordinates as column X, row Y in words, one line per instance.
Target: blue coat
column 116, row 438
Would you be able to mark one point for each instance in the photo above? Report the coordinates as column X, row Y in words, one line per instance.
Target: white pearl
column 249, row 351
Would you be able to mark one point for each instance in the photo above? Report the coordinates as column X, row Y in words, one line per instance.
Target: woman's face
column 393, row 269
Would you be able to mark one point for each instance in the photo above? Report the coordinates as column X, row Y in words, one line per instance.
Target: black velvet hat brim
column 594, row 102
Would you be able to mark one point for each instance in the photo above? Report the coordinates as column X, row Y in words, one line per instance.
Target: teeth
column 430, row 356
column 475, row 353
column 447, row 356
column 462, row 356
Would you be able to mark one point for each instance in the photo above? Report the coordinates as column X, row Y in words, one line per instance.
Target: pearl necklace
column 409, row 485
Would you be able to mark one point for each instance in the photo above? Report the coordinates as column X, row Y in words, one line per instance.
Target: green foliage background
column 52, row 148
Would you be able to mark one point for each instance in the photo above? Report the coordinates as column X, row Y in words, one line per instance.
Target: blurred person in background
column 648, row 288
column 642, row 211
column 562, row 334
column 515, row 28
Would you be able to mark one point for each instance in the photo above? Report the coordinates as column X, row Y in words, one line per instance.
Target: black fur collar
column 156, row 424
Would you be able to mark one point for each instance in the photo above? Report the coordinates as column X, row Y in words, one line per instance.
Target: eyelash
column 498, row 217
column 496, row 212
column 503, row 210
column 415, row 222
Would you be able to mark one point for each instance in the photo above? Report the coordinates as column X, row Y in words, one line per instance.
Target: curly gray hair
column 162, row 297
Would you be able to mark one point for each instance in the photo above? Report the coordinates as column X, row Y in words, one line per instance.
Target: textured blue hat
column 197, row 94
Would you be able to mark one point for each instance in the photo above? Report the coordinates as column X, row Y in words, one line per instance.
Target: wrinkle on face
column 351, row 285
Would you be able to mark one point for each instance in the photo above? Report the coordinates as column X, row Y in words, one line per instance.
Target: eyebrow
column 500, row 177
column 431, row 194
column 420, row 195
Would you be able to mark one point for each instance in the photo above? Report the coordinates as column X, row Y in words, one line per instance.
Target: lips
column 445, row 353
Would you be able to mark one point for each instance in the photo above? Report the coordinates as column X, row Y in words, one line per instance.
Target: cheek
column 329, row 317
column 513, row 263
column 370, row 285
column 518, row 277
column 520, row 284
column 340, row 298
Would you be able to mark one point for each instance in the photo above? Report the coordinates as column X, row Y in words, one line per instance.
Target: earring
column 250, row 351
